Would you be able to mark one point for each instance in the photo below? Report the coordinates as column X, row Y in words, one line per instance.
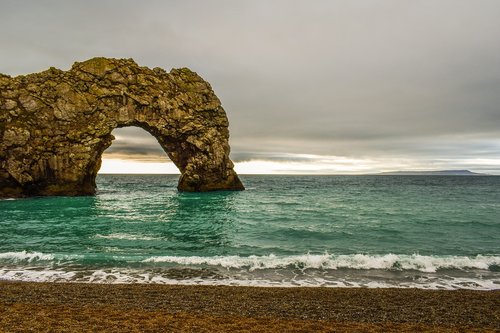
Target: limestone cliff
column 55, row 125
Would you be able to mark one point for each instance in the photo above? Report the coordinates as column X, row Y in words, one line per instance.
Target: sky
column 327, row 87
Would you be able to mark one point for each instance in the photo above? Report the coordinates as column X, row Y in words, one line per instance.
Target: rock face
column 55, row 125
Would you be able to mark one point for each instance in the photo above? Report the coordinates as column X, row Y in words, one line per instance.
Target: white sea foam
column 126, row 237
column 115, row 276
column 26, row 256
column 329, row 261
column 36, row 275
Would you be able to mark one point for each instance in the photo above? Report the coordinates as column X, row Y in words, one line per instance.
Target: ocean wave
column 26, row 256
column 392, row 262
column 329, row 261
column 23, row 257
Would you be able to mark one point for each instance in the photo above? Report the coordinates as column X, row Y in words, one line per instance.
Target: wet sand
column 73, row 307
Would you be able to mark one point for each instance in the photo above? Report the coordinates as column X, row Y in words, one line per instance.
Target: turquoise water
column 374, row 231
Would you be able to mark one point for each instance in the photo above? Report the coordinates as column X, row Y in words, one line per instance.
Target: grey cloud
column 130, row 148
column 271, row 156
column 135, row 143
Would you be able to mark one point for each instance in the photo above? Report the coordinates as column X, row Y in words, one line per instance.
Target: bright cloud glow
column 314, row 166
column 308, row 164
column 137, row 167
column 318, row 164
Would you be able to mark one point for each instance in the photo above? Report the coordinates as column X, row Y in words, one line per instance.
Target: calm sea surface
column 372, row 231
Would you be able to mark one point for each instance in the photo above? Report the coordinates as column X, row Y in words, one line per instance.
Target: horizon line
column 312, row 174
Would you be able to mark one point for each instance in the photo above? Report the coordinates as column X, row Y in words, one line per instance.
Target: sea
column 429, row 232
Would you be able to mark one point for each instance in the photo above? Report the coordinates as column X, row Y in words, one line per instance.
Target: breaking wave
column 394, row 262
column 25, row 256
column 330, row 261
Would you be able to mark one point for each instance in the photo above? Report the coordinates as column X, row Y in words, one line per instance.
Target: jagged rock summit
column 55, row 125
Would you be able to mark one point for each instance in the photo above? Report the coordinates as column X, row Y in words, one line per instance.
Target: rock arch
column 55, row 125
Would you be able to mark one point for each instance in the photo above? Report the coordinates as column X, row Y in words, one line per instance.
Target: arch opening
column 136, row 151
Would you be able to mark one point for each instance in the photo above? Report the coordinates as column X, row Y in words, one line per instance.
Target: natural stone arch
column 55, row 125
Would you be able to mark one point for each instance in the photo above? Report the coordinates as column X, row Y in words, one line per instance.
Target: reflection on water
column 150, row 208
column 203, row 219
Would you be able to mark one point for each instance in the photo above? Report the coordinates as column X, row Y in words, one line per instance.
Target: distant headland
column 433, row 173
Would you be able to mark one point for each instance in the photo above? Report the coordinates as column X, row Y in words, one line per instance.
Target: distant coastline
column 433, row 173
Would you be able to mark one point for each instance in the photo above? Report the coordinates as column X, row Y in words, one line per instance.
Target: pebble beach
column 77, row 307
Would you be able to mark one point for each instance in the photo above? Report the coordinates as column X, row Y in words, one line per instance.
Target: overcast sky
column 312, row 86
